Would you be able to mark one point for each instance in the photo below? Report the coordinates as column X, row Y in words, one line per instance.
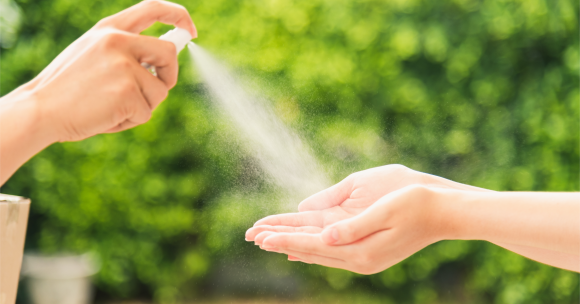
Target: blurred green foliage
column 482, row 92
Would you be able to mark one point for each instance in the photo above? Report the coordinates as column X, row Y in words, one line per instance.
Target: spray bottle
column 177, row 36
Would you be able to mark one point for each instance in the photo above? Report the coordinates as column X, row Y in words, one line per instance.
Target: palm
column 342, row 201
column 349, row 198
column 361, row 197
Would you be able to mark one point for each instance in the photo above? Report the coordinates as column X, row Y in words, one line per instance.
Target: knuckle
column 181, row 8
column 146, row 116
column 171, row 50
column 426, row 179
column 163, row 94
column 113, row 39
column 397, row 168
column 122, row 64
column 120, row 113
column 171, row 83
column 153, row 3
column 125, row 89
column 103, row 22
column 350, row 180
column 416, row 190
column 184, row 13
column 351, row 176
column 262, row 235
column 168, row 53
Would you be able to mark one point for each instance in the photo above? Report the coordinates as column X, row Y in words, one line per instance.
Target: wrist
column 25, row 116
column 24, row 131
column 429, row 207
column 450, row 219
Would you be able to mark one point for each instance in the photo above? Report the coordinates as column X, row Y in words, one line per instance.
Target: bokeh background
column 481, row 92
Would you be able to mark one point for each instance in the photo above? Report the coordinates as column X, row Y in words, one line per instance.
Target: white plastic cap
column 178, row 36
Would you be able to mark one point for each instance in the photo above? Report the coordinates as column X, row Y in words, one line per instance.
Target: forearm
column 23, row 131
column 543, row 220
column 553, row 258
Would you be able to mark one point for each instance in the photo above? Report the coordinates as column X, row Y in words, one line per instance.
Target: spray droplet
column 280, row 152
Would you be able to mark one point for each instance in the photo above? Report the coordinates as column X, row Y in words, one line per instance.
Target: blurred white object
column 13, row 220
column 63, row 279
column 178, row 36
column 10, row 20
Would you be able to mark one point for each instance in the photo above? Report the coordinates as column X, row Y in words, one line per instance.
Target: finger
column 154, row 90
column 302, row 242
column 314, row 259
column 158, row 53
column 311, row 218
column 347, row 231
column 295, row 259
column 125, row 125
column 140, row 16
column 141, row 116
column 258, row 240
column 329, row 197
column 134, row 108
column 252, row 232
column 370, row 255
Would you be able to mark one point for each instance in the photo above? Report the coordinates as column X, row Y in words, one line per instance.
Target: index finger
column 312, row 218
column 254, row 231
column 140, row 16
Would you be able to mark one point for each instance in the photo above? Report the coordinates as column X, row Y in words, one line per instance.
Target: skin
column 96, row 85
column 376, row 218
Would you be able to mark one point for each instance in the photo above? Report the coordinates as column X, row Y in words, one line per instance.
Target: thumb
column 329, row 197
column 353, row 229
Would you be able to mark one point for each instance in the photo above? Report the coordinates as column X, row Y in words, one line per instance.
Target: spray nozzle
column 178, row 36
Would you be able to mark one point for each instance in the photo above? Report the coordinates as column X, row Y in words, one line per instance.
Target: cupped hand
column 352, row 196
column 387, row 232
column 97, row 84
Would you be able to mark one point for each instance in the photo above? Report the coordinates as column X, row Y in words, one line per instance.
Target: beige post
column 13, row 220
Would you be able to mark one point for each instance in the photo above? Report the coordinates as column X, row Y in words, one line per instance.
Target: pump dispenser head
column 178, row 36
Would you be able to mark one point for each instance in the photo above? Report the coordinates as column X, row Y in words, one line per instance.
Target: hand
column 390, row 230
column 97, row 85
column 419, row 209
column 350, row 197
column 390, row 188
